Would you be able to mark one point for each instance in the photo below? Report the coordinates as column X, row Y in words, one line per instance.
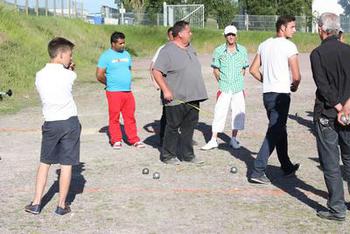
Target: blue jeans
column 330, row 138
column 277, row 107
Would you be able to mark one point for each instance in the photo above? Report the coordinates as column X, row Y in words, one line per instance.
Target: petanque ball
column 145, row 171
column 233, row 170
column 344, row 119
column 156, row 175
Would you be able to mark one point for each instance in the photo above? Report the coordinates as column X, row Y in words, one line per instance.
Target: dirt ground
column 109, row 193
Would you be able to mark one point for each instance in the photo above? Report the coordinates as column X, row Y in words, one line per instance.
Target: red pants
column 124, row 103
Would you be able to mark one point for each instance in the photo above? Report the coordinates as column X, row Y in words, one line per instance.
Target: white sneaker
column 117, row 145
column 234, row 143
column 210, row 145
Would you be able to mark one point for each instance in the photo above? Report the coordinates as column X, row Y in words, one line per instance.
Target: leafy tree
column 294, row 7
column 346, row 6
column 225, row 10
column 134, row 5
column 277, row 7
column 259, row 7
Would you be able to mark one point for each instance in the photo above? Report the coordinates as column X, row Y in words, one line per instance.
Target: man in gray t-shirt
column 177, row 71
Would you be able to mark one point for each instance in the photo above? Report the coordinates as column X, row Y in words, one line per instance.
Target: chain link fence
column 267, row 23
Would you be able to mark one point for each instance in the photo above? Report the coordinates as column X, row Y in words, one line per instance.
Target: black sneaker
column 330, row 216
column 33, row 209
column 63, row 211
column 260, row 180
column 292, row 171
column 172, row 161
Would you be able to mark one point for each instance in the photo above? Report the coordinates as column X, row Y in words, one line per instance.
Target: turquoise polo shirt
column 118, row 69
column 230, row 65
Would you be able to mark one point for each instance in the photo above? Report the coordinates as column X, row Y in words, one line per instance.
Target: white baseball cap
column 230, row 29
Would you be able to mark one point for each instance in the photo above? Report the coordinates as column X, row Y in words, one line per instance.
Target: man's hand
column 71, row 66
column 293, row 87
column 168, row 96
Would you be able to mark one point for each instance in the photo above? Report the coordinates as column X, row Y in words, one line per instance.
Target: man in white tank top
column 278, row 58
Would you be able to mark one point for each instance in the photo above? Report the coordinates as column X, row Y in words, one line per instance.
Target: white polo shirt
column 274, row 54
column 54, row 84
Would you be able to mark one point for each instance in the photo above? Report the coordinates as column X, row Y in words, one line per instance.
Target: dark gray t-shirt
column 182, row 72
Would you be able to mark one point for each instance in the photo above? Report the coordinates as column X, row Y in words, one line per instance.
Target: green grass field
column 23, row 41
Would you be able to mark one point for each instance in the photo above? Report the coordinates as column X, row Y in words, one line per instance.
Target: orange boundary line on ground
column 272, row 192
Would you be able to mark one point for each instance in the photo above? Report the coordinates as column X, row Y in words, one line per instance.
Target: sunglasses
column 230, row 34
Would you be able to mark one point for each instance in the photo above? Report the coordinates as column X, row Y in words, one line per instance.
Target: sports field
column 109, row 193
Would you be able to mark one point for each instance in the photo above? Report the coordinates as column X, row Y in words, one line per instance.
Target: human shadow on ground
column 76, row 186
column 291, row 185
column 302, row 121
column 346, row 183
column 153, row 140
column 105, row 129
column 154, row 127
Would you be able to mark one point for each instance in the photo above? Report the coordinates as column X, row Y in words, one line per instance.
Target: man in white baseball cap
column 229, row 63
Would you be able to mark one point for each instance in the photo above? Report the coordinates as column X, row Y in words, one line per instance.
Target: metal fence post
column 62, row 5
column 54, row 7
column 37, row 7
column 165, row 14
column 16, row 5
column 26, row 7
column 46, row 7
column 75, row 8
column 69, row 8
column 82, row 9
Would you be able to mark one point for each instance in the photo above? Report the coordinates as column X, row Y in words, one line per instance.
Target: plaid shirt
column 230, row 66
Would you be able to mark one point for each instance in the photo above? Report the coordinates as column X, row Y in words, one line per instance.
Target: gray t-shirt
column 182, row 72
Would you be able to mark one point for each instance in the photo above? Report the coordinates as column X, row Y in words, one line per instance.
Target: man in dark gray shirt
column 177, row 71
column 331, row 73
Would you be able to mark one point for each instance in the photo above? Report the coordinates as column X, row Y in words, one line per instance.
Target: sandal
column 139, row 145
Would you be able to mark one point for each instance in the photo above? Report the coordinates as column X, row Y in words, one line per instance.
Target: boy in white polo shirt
column 61, row 129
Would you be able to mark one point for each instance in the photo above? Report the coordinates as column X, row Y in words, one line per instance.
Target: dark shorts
column 61, row 142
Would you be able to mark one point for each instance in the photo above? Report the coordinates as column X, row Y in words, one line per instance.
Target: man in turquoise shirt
column 229, row 63
column 114, row 71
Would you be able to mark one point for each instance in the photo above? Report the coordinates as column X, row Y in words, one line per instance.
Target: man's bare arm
column 101, row 75
column 216, row 73
column 294, row 68
column 255, row 68
column 158, row 76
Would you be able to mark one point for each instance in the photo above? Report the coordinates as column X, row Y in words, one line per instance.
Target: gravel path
column 111, row 195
